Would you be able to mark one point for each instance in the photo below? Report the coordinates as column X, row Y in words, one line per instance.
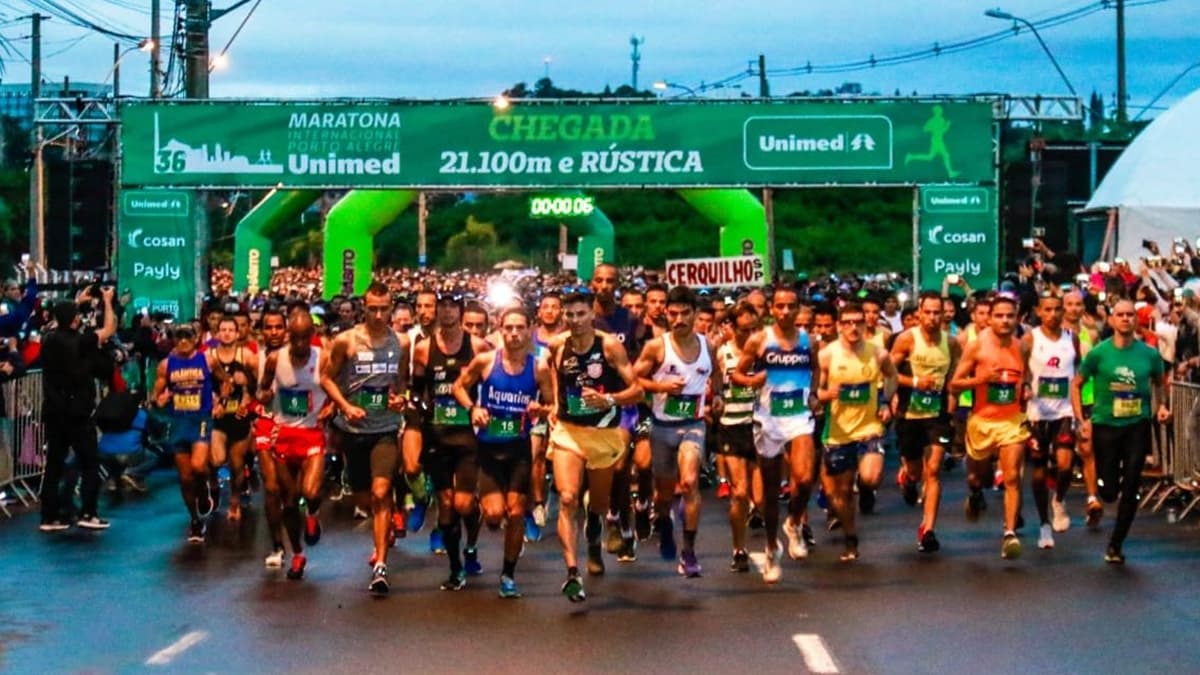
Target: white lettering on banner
column 136, row 240
column 716, row 272
column 936, row 236
column 160, row 204
column 364, row 120
column 332, row 165
column 157, row 272
column 965, row 267
column 252, row 271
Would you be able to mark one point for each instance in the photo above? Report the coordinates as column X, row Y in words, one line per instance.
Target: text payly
column 156, row 272
column 966, row 267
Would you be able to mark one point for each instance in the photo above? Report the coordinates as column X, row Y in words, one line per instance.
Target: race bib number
column 1001, row 393
column 231, row 405
column 741, row 394
column 681, row 405
column 185, row 402
column 1127, row 404
column 295, row 402
column 855, row 394
column 372, row 399
column 449, row 413
column 925, row 402
column 504, row 427
column 788, row 403
column 576, row 406
column 1052, row 387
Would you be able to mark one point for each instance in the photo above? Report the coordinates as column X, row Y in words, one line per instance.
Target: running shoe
column 296, row 571
column 572, row 588
column 360, row 514
column 740, row 561
column 641, row 521
column 508, row 588
column 455, row 582
column 92, row 522
column 196, row 531
column 416, row 516
column 832, row 522
column 773, row 565
column 56, row 525
column 471, row 562
column 796, row 547
column 539, row 515
column 1046, row 536
column 399, row 526
column 909, row 489
column 866, row 500
column 205, row 504
column 723, row 490
column 274, row 561
column 1058, row 516
column 755, row 520
column 595, row 564
column 379, row 580
column 689, row 566
column 312, row 529
column 975, row 506
column 436, row 545
column 1114, row 556
column 533, row 531
column 1095, row 512
column 628, row 552
column 927, row 541
column 806, row 534
column 134, row 483
column 666, row 540
column 110, row 485
column 1010, row 547
column 851, row 552
column 613, row 540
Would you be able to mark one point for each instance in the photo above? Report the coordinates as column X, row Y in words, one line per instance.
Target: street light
column 998, row 13
column 144, row 45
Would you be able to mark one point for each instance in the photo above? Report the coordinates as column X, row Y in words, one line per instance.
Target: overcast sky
column 450, row 48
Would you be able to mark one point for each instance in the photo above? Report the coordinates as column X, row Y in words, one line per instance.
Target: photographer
column 69, row 398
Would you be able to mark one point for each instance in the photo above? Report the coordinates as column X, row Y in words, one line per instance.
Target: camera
column 1027, row 243
column 953, row 279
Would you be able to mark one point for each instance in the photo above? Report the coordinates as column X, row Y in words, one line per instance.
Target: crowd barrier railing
column 1185, row 459
column 22, row 438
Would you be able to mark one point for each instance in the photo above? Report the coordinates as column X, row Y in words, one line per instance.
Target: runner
column 782, row 360
column 185, row 387
column 676, row 368
column 512, row 379
column 875, row 329
column 634, row 301
column 1073, row 315
column 549, row 325
column 365, row 377
column 993, row 368
column 447, row 440
column 924, row 357
column 592, row 378
column 296, row 400
column 275, row 337
column 735, row 435
column 1053, row 359
column 858, row 409
column 231, row 437
column 1124, row 371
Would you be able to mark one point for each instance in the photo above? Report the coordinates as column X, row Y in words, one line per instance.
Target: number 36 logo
column 170, row 161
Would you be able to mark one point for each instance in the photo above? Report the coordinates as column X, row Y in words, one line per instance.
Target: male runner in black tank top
column 442, row 430
column 231, row 431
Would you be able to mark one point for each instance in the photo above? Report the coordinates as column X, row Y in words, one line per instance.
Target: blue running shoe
column 508, row 588
column 532, row 531
column 666, row 540
column 416, row 516
column 471, row 562
column 436, row 545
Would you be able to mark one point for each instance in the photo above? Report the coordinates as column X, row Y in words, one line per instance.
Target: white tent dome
column 1155, row 184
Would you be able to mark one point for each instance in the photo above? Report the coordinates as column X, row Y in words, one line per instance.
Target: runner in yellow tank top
column 993, row 366
column 851, row 370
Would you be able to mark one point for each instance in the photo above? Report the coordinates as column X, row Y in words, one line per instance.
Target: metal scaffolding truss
column 62, row 112
column 1039, row 108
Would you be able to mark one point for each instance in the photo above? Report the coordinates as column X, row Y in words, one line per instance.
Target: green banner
column 527, row 144
column 158, row 251
column 959, row 234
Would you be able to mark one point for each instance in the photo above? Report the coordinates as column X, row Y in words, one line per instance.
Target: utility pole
column 764, row 90
column 155, row 51
column 116, row 70
column 1121, row 92
column 195, row 27
column 37, row 203
column 636, row 56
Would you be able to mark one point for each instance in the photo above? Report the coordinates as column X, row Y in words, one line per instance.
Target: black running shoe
column 1114, row 556
column 807, row 533
column 909, row 489
column 456, row 581
column 641, row 523
column 196, row 531
column 595, row 565
column 740, row 562
column 928, row 542
column 628, row 552
column 379, row 580
column 866, row 500
column 975, row 506
column 755, row 521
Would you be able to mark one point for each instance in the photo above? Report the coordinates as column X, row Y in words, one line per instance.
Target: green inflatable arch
column 253, row 243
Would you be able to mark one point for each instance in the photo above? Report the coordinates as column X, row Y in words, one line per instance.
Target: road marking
column 176, row 648
column 759, row 559
column 816, row 654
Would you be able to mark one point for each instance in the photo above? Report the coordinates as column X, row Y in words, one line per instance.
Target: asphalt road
column 138, row 598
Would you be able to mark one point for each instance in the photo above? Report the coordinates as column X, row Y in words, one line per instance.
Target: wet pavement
column 137, row 598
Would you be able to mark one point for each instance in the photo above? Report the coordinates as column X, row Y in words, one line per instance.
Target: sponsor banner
column 744, row 270
column 537, row 144
column 156, row 253
column 958, row 234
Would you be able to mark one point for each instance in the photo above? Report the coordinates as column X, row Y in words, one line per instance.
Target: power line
column 240, row 27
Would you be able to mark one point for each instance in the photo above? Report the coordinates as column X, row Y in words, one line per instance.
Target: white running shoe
column 1046, row 536
column 539, row 515
column 275, row 560
column 1058, row 516
column 773, row 565
column 797, row 547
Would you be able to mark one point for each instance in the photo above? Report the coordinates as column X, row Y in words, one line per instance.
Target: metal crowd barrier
column 22, row 439
column 1185, row 455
